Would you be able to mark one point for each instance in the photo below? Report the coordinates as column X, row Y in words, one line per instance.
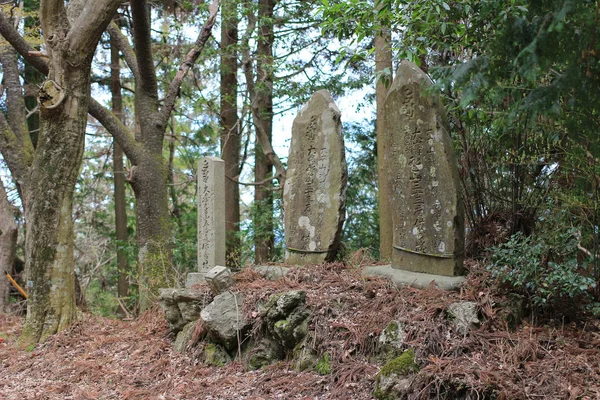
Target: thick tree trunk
column 49, row 242
column 119, row 181
column 230, row 135
column 383, row 60
column 263, row 197
column 154, row 228
column 8, row 245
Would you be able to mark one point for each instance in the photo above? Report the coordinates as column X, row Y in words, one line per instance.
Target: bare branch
column 125, row 49
column 13, row 37
column 116, row 128
column 189, row 61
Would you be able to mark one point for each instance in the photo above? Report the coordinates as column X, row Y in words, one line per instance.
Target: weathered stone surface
column 193, row 278
column 225, row 320
column 219, row 279
column 393, row 335
column 184, row 337
column 211, row 214
column 393, row 380
column 314, row 194
column 464, row 316
column 414, row 279
column 271, row 272
column 265, row 352
column 286, row 318
column 427, row 211
column 181, row 306
column 216, row 355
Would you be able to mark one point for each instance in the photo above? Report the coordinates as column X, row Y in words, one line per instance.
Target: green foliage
column 323, row 366
column 544, row 268
column 100, row 301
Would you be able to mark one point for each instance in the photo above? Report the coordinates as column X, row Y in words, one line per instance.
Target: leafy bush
column 544, row 268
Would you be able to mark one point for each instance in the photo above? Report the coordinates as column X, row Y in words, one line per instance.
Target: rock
column 216, row 355
column 464, row 315
column 224, row 320
column 285, row 317
column 184, row 337
column 314, row 194
column 391, row 340
column 265, row 352
column 271, row 272
column 219, row 279
column 181, row 306
column 305, row 357
column 392, row 381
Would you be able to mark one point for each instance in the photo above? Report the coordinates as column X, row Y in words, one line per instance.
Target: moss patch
column 324, row 364
column 403, row 365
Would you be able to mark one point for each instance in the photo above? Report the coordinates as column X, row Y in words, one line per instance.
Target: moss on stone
column 402, row 365
column 324, row 364
column 215, row 355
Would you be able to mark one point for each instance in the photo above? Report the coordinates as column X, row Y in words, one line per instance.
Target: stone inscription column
column 427, row 211
column 314, row 194
column 211, row 214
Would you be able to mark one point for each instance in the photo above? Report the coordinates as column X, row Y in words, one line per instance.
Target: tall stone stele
column 427, row 211
column 314, row 194
column 211, row 217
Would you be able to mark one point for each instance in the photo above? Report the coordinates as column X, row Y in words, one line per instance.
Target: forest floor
column 101, row 358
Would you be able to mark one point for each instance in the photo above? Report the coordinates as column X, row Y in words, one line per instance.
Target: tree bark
column 119, row 181
column 263, row 119
column 64, row 99
column 8, row 246
column 383, row 61
column 230, row 133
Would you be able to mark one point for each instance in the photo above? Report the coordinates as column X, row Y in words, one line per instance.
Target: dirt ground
column 100, row 358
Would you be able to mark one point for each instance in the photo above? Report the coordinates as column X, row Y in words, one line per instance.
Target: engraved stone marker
column 314, row 194
column 211, row 215
column 427, row 211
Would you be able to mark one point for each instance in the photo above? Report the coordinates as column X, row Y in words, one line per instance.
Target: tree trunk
column 230, row 133
column 383, row 60
column 154, row 228
column 49, row 244
column 119, row 181
column 8, row 246
column 263, row 198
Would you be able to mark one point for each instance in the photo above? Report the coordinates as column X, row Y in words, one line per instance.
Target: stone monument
column 314, row 194
column 427, row 211
column 211, row 217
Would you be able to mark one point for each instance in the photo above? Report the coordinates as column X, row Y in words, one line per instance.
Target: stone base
column 408, row 261
column 194, row 278
column 414, row 279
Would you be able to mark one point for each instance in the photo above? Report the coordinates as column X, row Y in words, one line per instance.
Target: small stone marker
column 219, row 279
column 314, row 194
column 427, row 211
column 211, row 217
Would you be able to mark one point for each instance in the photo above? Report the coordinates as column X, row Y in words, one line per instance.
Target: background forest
column 520, row 80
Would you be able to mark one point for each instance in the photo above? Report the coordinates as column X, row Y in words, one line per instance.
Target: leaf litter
column 102, row 358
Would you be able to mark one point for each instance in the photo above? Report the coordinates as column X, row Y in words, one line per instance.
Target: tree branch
column 189, row 61
column 117, row 129
column 89, row 26
column 112, row 124
column 125, row 49
column 53, row 17
column 13, row 37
